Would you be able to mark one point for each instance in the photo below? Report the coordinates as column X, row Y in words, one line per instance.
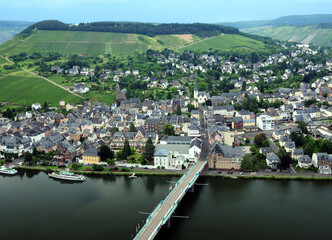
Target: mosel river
column 36, row 207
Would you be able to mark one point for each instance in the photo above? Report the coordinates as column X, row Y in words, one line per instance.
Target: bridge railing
column 174, row 205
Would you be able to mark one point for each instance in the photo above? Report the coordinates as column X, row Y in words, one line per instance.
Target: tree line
column 200, row 29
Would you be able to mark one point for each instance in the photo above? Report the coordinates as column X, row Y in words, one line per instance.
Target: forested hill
column 199, row 29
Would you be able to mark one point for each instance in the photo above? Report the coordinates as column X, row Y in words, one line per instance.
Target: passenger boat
column 66, row 175
column 8, row 171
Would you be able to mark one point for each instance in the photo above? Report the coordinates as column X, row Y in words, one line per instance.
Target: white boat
column 133, row 176
column 8, row 171
column 66, row 175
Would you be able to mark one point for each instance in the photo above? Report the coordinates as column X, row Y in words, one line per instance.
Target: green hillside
column 314, row 34
column 69, row 42
column 226, row 42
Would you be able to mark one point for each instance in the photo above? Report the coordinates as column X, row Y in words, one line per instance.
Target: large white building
column 265, row 122
column 175, row 151
column 162, row 158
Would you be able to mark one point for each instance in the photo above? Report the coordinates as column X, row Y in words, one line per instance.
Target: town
column 262, row 114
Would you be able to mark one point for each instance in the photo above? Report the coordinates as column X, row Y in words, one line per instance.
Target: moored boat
column 66, row 175
column 8, row 171
column 132, row 176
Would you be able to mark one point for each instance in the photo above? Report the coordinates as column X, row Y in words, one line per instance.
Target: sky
column 158, row 11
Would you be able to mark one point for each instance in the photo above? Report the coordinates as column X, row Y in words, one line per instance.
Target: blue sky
column 182, row 11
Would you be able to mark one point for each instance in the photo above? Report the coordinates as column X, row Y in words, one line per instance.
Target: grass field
column 226, row 42
column 29, row 90
column 2, row 61
column 106, row 97
column 67, row 42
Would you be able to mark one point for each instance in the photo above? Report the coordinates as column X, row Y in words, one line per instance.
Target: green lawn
column 105, row 97
column 29, row 90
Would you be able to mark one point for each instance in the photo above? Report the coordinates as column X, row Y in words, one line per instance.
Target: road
column 151, row 227
column 274, row 147
column 36, row 75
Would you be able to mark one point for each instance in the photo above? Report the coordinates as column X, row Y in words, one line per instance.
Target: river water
column 36, row 207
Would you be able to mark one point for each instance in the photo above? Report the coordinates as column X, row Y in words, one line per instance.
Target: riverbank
column 168, row 173
column 111, row 173
column 273, row 177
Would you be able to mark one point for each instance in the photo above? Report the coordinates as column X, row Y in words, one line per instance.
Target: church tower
column 195, row 90
column 120, row 94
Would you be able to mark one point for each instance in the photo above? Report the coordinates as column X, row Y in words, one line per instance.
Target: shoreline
column 159, row 173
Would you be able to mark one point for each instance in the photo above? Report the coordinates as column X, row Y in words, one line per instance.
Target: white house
column 265, row 122
column 162, row 158
column 194, row 131
column 305, row 162
column 36, row 106
column 272, row 160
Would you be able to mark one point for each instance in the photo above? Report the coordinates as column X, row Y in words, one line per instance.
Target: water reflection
column 106, row 207
column 32, row 173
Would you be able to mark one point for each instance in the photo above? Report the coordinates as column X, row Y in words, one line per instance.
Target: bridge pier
column 191, row 190
column 168, row 223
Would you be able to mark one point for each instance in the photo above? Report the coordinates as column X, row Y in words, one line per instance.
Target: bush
column 76, row 166
column 2, row 162
column 45, row 163
column 124, row 170
column 96, row 167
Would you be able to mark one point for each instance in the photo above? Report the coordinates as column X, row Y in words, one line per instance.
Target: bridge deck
column 166, row 207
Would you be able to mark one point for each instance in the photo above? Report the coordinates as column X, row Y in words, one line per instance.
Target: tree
column 326, row 146
column 258, row 140
column 246, row 163
column 244, row 86
column 27, row 157
column 105, row 152
column 178, row 110
column 126, row 151
column 169, row 129
column 302, row 125
column 8, row 113
column 110, row 162
column 76, row 166
column 45, row 106
column 148, row 150
column 208, row 102
column 132, row 127
column 265, row 143
column 247, row 141
column 285, row 161
column 34, row 151
column 297, row 138
column 309, row 148
column 96, row 167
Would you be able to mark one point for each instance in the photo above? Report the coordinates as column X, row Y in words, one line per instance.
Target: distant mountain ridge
column 8, row 29
column 310, row 29
column 292, row 20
